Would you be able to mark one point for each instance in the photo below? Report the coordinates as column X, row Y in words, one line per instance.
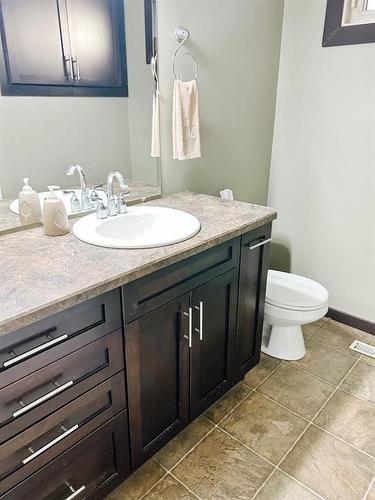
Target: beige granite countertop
column 42, row 275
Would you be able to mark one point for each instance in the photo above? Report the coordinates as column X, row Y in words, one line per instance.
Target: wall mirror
column 76, row 88
column 349, row 22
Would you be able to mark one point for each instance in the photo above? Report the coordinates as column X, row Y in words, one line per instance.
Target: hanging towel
column 155, row 133
column 185, row 121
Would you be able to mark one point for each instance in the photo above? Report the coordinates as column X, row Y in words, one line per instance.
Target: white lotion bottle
column 55, row 218
column 29, row 205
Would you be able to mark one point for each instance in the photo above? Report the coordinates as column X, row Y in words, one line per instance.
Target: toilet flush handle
column 260, row 244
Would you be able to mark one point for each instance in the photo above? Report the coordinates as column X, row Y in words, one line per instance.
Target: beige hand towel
column 155, row 133
column 185, row 121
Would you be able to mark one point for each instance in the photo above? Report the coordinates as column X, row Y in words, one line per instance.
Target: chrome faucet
column 85, row 199
column 113, row 207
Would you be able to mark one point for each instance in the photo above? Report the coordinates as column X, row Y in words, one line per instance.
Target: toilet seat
column 294, row 293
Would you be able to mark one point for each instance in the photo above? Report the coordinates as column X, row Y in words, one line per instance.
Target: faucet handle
column 101, row 211
column 121, row 205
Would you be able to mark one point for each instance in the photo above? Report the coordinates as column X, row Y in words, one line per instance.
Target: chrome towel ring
column 182, row 35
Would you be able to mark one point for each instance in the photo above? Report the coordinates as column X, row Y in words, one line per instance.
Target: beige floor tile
column 350, row 419
column 368, row 360
column 169, row 489
column 183, row 442
column 296, row 390
column 138, row 483
column 371, row 494
column 226, row 403
column 281, row 487
column 222, row 468
column 340, row 336
column 330, row 467
column 264, row 426
column 324, row 362
column 311, row 328
column 361, row 381
column 266, row 365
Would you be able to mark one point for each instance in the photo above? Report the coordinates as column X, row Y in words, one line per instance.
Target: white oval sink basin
column 140, row 227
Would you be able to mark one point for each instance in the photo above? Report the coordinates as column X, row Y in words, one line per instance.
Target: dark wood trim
column 336, row 34
column 350, row 320
column 149, row 7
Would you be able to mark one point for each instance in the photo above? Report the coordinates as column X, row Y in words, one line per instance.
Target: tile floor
column 289, row 431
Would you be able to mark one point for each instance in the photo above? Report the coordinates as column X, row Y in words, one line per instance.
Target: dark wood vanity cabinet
column 91, row 393
column 63, row 47
column 251, row 298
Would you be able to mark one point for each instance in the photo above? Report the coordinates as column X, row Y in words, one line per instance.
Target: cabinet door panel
column 94, row 30
column 252, row 290
column 212, row 357
column 33, row 45
column 157, row 360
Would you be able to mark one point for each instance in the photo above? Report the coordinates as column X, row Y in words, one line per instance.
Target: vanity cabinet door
column 255, row 247
column 95, row 37
column 214, row 329
column 33, row 58
column 157, row 360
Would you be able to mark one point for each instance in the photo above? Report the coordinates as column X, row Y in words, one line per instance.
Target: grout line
column 284, row 407
column 230, row 411
column 334, row 348
column 191, row 449
column 184, row 485
column 153, row 486
column 357, row 396
column 318, row 328
column 342, row 440
column 266, row 377
column 372, row 482
column 313, row 375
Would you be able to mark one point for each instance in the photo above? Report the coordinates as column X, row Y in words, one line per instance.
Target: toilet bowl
column 291, row 301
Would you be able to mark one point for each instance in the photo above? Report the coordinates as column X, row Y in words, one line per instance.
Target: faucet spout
column 120, row 180
column 85, row 201
column 112, row 208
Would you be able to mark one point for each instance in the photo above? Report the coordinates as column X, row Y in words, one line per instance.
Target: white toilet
column 291, row 301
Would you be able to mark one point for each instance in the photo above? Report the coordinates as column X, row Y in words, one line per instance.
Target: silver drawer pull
column 76, row 493
column 200, row 309
column 40, row 348
column 42, row 399
column 49, row 445
column 260, row 244
column 190, row 337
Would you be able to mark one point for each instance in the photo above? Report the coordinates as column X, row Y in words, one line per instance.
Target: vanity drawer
column 38, row 445
column 35, row 396
column 26, row 350
column 90, row 469
column 148, row 293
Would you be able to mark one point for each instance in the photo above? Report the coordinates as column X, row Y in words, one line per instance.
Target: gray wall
column 323, row 163
column 41, row 136
column 236, row 43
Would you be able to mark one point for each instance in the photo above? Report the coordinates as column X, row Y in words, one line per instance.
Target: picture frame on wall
column 349, row 22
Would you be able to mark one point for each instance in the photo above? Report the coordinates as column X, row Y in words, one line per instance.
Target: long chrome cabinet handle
column 40, row 348
column 49, row 445
column 76, row 493
column 200, row 309
column 190, row 337
column 260, row 244
column 42, row 399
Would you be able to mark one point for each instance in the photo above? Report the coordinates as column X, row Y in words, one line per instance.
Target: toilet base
column 283, row 342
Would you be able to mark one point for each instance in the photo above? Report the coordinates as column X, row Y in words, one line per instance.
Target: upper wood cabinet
column 63, row 47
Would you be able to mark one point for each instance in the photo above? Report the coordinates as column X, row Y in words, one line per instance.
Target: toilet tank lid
column 290, row 290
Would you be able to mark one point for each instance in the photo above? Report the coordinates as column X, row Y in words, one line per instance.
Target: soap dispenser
column 55, row 218
column 29, row 204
